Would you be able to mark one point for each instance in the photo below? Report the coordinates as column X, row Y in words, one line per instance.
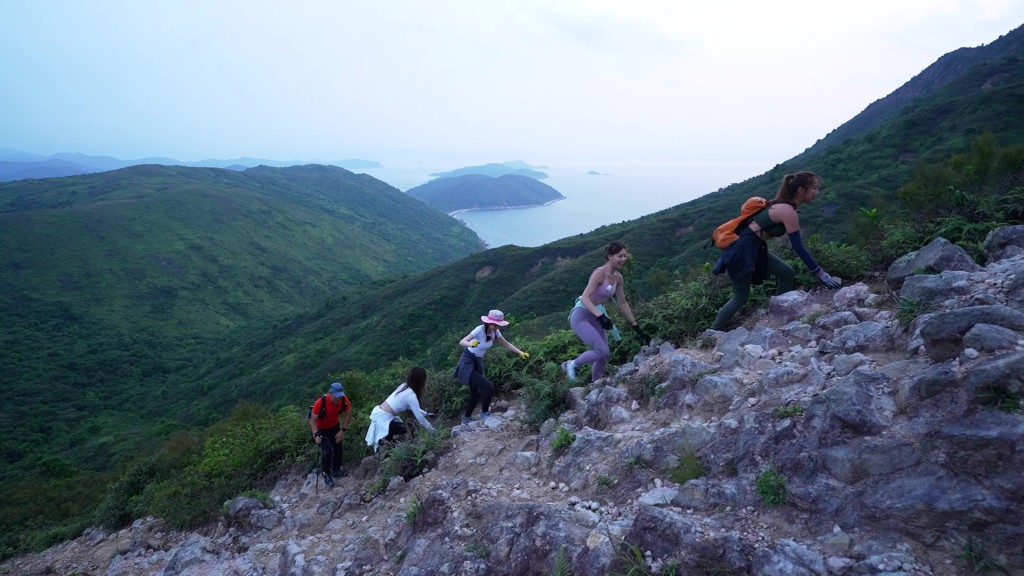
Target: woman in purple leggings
column 589, row 320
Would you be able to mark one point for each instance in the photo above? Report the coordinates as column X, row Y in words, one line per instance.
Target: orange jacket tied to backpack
column 725, row 234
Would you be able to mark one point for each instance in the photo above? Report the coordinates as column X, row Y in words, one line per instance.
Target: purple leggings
column 586, row 326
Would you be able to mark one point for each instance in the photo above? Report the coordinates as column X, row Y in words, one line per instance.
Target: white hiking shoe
column 569, row 368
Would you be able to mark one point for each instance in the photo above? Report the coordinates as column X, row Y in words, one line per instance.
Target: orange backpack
column 725, row 234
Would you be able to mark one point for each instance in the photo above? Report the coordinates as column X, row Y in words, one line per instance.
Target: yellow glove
column 524, row 355
column 474, row 343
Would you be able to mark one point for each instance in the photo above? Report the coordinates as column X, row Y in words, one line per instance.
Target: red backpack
column 725, row 234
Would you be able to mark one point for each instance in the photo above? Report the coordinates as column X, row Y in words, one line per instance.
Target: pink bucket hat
column 495, row 317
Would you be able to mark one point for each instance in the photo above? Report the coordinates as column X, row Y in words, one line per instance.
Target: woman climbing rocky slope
column 833, row 436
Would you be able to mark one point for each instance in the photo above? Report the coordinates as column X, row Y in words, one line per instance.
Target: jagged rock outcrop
column 900, row 449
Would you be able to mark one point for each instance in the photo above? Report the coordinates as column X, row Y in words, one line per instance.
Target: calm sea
column 616, row 194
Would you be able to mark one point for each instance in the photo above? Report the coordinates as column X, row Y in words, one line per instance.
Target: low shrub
column 562, row 440
column 689, row 468
column 544, row 399
column 248, row 449
column 771, row 486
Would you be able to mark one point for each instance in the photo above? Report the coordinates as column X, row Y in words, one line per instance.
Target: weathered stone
column 981, row 444
column 1015, row 292
column 846, row 363
column 862, row 459
column 784, row 375
column 907, row 458
column 938, row 256
column 716, row 393
column 849, row 296
column 684, row 370
column 789, row 306
column 788, row 558
column 1005, row 242
column 926, row 384
column 990, row 338
column 850, row 401
column 864, row 337
column 1003, row 373
column 932, row 290
column 929, row 497
column 836, row 320
column 943, row 332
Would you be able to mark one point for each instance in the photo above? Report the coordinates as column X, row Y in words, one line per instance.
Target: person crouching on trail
column 328, row 432
column 385, row 422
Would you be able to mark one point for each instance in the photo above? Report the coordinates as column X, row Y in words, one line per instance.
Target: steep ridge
column 829, row 436
column 944, row 71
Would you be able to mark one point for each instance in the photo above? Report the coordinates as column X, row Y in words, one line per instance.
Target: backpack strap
column 323, row 407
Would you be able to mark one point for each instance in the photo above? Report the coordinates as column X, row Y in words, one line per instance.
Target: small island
column 479, row 192
column 517, row 167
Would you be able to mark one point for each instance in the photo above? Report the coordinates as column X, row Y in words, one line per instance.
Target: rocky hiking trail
column 894, row 459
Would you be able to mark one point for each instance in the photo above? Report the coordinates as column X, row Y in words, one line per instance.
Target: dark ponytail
column 793, row 182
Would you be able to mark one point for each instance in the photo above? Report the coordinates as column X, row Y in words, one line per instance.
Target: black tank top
column 772, row 229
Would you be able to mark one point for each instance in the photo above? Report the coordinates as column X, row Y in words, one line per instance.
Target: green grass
column 478, row 548
column 562, row 565
column 771, row 487
column 1001, row 398
column 412, row 510
column 562, row 440
column 980, row 560
column 689, row 468
column 410, row 458
column 631, row 561
column 790, row 411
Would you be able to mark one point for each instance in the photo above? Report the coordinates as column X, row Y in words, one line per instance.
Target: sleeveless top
column 772, row 229
column 603, row 293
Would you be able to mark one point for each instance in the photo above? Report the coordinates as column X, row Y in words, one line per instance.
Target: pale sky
column 463, row 82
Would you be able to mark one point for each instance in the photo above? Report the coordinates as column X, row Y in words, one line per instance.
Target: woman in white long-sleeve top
column 385, row 422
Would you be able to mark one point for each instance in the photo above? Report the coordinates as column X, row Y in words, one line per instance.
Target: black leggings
column 480, row 390
column 330, row 450
column 395, row 428
column 741, row 290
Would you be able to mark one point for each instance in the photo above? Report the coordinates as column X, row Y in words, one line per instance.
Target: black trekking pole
column 316, row 470
column 316, row 466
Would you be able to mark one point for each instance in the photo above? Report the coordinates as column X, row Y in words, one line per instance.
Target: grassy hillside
column 143, row 300
column 112, row 283
column 537, row 286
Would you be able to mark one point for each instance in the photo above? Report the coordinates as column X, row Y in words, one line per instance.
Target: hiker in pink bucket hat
column 470, row 369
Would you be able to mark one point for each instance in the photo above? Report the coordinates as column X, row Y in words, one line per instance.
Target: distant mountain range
column 517, row 167
column 19, row 165
column 480, row 192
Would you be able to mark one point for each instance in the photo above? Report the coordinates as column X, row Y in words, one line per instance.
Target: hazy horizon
column 458, row 83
